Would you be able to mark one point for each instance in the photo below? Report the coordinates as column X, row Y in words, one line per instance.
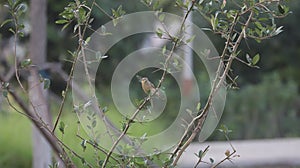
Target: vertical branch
column 219, row 80
column 81, row 34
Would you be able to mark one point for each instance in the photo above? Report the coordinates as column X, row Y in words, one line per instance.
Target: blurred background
column 265, row 105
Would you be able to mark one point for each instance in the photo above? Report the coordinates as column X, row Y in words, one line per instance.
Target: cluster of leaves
column 17, row 9
column 226, row 15
column 76, row 11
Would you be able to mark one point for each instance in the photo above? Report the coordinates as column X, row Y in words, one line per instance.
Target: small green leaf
column 89, row 127
column 164, row 50
column 63, row 93
column 159, row 32
column 255, row 59
column 83, row 161
column 155, row 5
column 62, row 127
column 161, row 17
column 5, row 22
column 101, row 162
column 25, row 63
column 190, row 39
column 5, row 93
column 62, row 21
column 83, row 144
column 281, row 9
column 144, row 137
column 94, row 123
column 5, row 85
column 123, row 126
column 104, row 56
column 224, row 129
column 88, row 40
column 168, row 162
column 258, row 25
column 211, row 160
column 65, row 26
column 249, row 59
column 21, row 34
column 198, row 106
column 278, row 30
column 47, row 83
column 12, row 30
column 200, row 153
column 105, row 109
column 103, row 29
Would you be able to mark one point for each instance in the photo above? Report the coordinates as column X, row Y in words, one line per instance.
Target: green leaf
column 83, row 161
column 66, row 25
column 168, row 162
column 159, row 32
column 88, row 39
column 5, row 22
column 83, row 144
column 5, row 93
column 82, row 15
column 190, row 39
column 249, row 59
column 47, row 83
column 164, row 50
column 224, row 129
column 103, row 29
column 278, row 31
column 281, row 9
column 211, row 160
column 12, row 30
column 62, row 127
column 123, row 126
column 156, row 5
column 105, row 109
column 161, row 17
column 5, row 85
column 200, row 153
column 10, row 2
column 258, row 25
column 62, row 21
column 94, row 123
column 21, row 34
column 16, row 4
column 25, row 63
column 198, row 106
column 255, row 59
column 101, row 162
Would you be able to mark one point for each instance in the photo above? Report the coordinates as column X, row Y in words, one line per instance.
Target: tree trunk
column 38, row 96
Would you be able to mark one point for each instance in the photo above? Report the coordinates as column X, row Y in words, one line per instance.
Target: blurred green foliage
column 268, row 109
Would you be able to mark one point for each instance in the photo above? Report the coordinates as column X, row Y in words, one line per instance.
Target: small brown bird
column 147, row 86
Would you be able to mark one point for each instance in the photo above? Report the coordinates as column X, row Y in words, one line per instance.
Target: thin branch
column 219, row 80
column 103, row 11
column 81, row 34
column 200, row 157
column 229, row 156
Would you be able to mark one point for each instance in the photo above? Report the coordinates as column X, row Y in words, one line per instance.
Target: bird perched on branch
column 147, row 86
